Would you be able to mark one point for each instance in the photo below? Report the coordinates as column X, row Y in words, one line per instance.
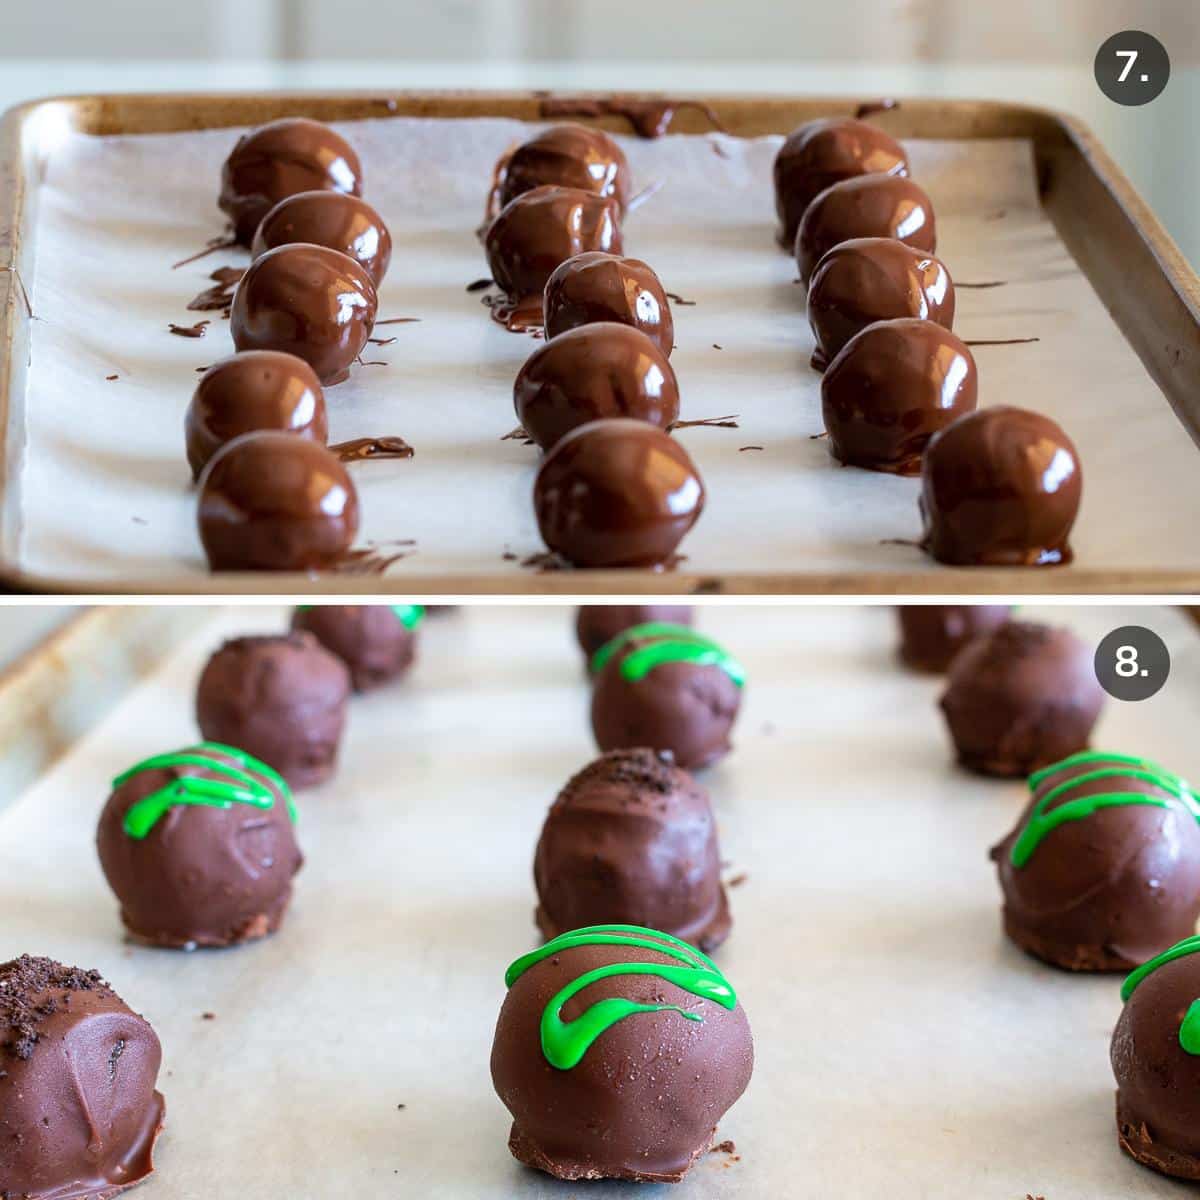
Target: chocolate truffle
column 669, row 688
column 1102, row 871
column 79, row 1114
column 617, row 493
column 254, row 390
column 276, row 502
column 1020, row 698
column 377, row 642
column 279, row 697
column 198, row 847
column 866, row 280
column 606, row 287
column 310, row 301
column 590, row 373
column 280, row 159
column 331, row 219
column 1000, row 487
column 932, row 634
column 893, row 386
column 617, row 1051
column 596, row 624
column 823, row 152
column 632, row 840
column 568, row 155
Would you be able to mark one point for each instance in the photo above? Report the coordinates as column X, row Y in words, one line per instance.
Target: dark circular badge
column 1132, row 663
column 1132, row 68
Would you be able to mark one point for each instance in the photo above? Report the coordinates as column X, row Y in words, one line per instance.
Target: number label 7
column 1130, row 57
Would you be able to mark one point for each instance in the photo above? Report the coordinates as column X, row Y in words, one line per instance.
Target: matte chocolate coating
column 885, row 206
column 1109, row 891
column 893, row 386
column 568, row 155
column 644, row 1101
column 275, row 502
column 280, row 698
column 617, row 493
column 631, row 840
column 309, row 301
column 823, row 152
column 370, row 639
column 607, row 287
column 592, row 373
column 254, row 390
column 866, row 280
column 540, row 229
column 79, row 1114
column 280, row 159
column 332, row 219
column 598, row 624
column 1020, row 698
column 932, row 634
column 203, row 876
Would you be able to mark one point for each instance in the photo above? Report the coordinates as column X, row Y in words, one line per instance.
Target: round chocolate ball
column 276, row 502
column 281, row 698
column 1020, row 698
column 572, row 156
column 251, row 391
column 310, row 301
column 377, row 642
column 198, row 847
column 932, row 634
column 598, row 624
column 280, row 159
column 590, row 374
column 617, row 493
column 630, row 1078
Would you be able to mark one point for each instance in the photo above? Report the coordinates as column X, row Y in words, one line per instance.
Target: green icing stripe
column 409, row 615
column 672, row 643
column 1189, row 1031
column 1190, row 945
column 564, row 1043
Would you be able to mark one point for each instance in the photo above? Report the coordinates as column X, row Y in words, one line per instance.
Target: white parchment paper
column 904, row 1048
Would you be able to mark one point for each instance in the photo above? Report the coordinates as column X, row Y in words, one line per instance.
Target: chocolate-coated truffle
column 932, row 634
column 592, row 373
column 607, row 287
column 568, row 155
column 823, row 152
column 893, row 386
column 254, row 390
column 310, row 301
column 79, row 1114
column 1102, row 871
column 276, row 502
column 1020, row 698
column 866, row 280
column 377, row 642
column 632, row 840
column 669, row 688
column 281, row 698
column 279, row 159
column 1000, row 487
column 198, row 847
column 617, row 493
column 333, row 219
column 617, row 1051
column 596, row 624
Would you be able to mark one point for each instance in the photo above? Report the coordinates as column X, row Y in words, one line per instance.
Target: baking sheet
column 104, row 492
column 903, row 1047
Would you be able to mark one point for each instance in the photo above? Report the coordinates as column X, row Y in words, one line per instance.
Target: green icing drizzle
column 1189, row 1031
column 409, row 615
column 238, row 787
column 1189, row 945
column 564, row 1043
column 673, row 643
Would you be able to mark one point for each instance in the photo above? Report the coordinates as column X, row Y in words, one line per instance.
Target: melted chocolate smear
column 715, row 346
column 736, row 881
column 201, row 370
column 816, row 437
column 868, row 107
column 675, row 298
column 189, row 331
column 370, row 362
column 219, row 297
column 110, row 378
column 741, row 448
column 221, row 242
column 1001, row 341
column 371, row 559
column 546, row 560
column 508, row 556
column 989, row 283
column 479, row 285
column 648, row 118
column 517, row 316
column 901, row 542
column 364, row 448
column 729, row 422
column 718, row 149
column 382, row 341
column 398, row 321
column 520, row 434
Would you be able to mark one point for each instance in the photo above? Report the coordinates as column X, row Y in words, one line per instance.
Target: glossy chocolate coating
column 823, row 152
column 370, row 639
column 280, row 159
column 281, row 698
column 607, row 287
column 598, row 624
column 79, row 1114
column 644, row 1101
column 590, row 374
column 568, row 155
column 203, row 876
column 891, row 388
column 884, row 206
column 254, row 390
column 866, row 280
column 1020, row 698
column 932, row 634
column 540, row 229
column 1000, row 487
column 332, row 219
column 309, row 301
column 617, row 493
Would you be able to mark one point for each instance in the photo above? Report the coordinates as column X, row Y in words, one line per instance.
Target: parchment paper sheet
column 904, row 1048
column 106, row 492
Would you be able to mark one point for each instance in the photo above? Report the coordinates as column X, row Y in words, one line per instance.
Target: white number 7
column 1131, row 57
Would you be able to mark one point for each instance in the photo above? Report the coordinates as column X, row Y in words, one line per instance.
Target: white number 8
column 1127, row 661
